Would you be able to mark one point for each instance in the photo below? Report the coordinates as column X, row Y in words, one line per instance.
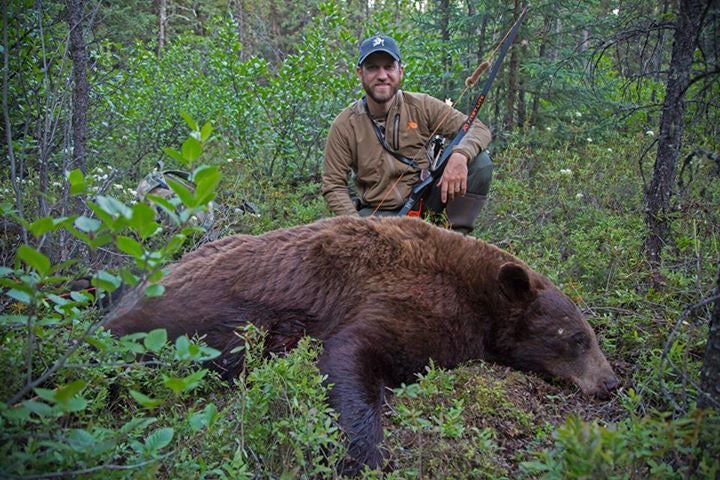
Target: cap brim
column 364, row 57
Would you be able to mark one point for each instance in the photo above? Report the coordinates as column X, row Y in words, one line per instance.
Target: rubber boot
column 463, row 211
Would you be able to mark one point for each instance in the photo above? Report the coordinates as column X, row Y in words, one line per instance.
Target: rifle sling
column 381, row 138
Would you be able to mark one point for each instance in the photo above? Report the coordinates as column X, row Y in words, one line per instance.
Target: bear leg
column 355, row 371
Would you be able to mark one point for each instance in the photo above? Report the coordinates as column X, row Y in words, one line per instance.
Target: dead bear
column 384, row 295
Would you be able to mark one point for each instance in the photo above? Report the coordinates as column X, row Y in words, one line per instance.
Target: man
column 384, row 140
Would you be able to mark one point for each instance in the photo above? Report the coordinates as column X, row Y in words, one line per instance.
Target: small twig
column 668, row 344
column 59, row 363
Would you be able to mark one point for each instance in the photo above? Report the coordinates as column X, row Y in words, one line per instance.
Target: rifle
column 423, row 186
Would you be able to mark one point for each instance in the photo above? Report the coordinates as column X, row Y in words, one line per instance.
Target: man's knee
column 480, row 174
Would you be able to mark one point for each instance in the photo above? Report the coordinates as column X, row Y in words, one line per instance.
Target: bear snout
column 611, row 383
column 599, row 386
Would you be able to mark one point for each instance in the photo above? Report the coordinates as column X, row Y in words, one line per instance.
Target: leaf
column 65, row 393
column 206, row 180
column 136, row 424
column 166, row 205
column 159, row 439
column 17, row 413
column 155, row 290
column 143, row 220
column 45, row 224
column 175, row 155
column 106, row 281
column 20, row 296
column 77, row 181
column 87, row 224
column 182, row 346
column 206, row 131
column 128, row 277
column 189, row 120
column 114, row 207
column 184, row 384
column 39, row 408
column 130, row 246
column 34, row 259
column 81, row 440
column 175, row 243
column 155, row 340
column 144, row 400
column 182, row 192
column 191, row 150
column 13, row 320
column 204, row 419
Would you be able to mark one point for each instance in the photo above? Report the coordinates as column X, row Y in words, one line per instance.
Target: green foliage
column 288, row 428
column 567, row 198
column 435, row 433
column 649, row 447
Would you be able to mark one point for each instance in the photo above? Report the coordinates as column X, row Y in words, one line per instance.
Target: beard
column 382, row 96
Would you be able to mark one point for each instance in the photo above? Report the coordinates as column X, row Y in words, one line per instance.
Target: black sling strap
column 381, row 137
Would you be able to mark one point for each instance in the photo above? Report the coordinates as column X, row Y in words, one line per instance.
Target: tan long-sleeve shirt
column 380, row 178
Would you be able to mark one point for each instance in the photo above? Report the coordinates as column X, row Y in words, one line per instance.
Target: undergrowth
column 573, row 213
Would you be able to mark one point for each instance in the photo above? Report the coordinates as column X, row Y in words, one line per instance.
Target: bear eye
column 579, row 339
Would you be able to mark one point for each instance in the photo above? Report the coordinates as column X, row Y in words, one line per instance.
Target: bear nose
column 611, row 383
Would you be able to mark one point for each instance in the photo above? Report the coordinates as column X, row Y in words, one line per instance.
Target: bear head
column 548, row 334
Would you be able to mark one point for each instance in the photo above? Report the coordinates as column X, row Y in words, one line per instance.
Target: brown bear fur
column 385, row 295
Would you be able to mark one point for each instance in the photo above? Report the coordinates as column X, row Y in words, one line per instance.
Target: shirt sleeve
column 336, row 170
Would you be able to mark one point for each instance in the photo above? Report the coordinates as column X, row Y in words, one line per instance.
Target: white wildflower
column 578, row 114
column 579, row 195
column 616, row 12
column 610, row 150
column 57, row 184
column 566, row 171
column 549, row 129
column 448, row 102
column 589, row 140
column 650, row 133
column 229, row 160
column 99, row 170
column 117, row 186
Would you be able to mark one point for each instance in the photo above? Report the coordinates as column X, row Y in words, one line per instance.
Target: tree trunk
column 162, row 22
column 7, row 123
column 709, row 395
column 444, row 14
column 541, row 56
column 657, row 197
column 657, row 60
column 79, row 57
column 512, row 78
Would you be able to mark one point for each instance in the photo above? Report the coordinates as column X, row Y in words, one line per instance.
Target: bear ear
column 515, row 282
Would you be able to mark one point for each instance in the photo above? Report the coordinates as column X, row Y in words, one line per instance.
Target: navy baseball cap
column 378, row 43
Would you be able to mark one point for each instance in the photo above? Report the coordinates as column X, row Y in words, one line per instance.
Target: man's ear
column 358, row 72
column 514, row 282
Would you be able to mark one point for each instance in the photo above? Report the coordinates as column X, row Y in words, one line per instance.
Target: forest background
column 607, row 179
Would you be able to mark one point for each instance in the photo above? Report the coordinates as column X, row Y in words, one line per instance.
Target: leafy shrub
column 649, row 447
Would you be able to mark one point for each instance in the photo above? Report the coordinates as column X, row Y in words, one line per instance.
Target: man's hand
column 454, row 179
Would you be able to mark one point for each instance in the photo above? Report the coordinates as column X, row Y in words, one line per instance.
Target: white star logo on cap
column 378, row 41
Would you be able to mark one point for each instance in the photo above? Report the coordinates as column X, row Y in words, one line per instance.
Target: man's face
column 380, row 75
